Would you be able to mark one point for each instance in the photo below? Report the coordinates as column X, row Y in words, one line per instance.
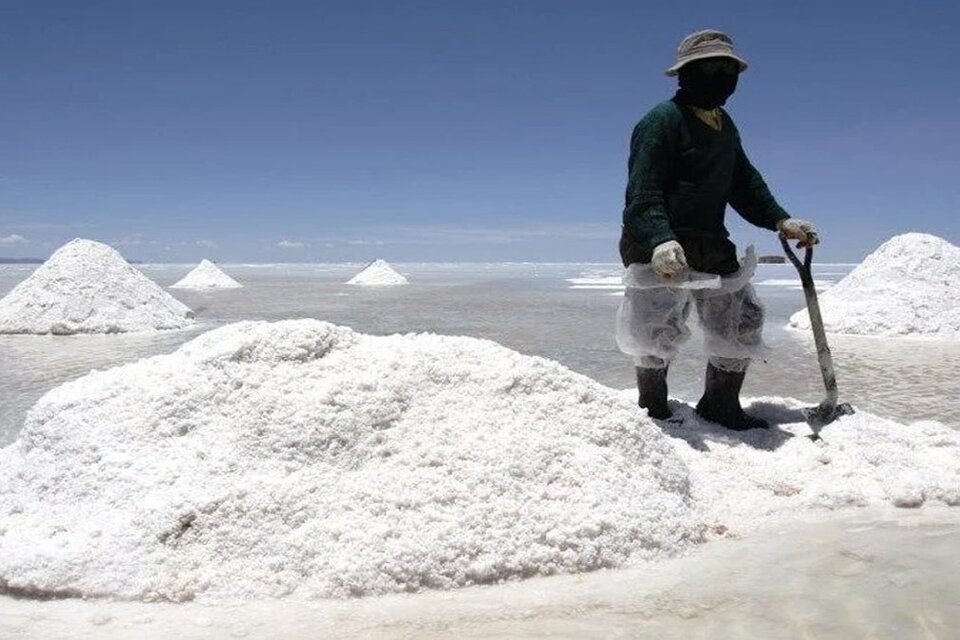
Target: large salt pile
column 87, row 287
column 266, row 459
column 262, row 459
column 910, row 286
column 206, row 275
column 377, row 274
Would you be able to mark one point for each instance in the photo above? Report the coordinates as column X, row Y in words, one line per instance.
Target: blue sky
column 449, row 130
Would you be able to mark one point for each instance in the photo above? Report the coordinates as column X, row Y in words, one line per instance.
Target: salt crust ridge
column 206, row 275
column 909, row 286
column 265, row 459
column 377, row 274
column 87, row 287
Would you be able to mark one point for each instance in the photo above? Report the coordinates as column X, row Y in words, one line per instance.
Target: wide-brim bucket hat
column 707, row 43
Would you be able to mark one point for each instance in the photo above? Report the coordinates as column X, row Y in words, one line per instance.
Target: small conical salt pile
column 910, row 286
column 207, row 275
column 87, row 287
column 378, row 274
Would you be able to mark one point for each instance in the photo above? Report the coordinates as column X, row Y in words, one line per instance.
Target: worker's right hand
column 668, row 259
column 801, row 230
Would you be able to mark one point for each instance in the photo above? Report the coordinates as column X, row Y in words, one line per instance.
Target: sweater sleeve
column 651, row 167
column 751, row 197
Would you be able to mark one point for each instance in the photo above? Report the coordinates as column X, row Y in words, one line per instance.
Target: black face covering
column 705, row 90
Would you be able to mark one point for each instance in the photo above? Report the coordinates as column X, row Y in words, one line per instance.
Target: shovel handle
column 828, row 410
column 803, row 268
column 824, row 357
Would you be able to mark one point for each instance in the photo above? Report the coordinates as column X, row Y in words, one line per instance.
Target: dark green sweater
column 682, row 175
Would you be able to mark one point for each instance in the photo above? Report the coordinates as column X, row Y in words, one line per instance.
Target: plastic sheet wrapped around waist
column 643, row 276
column 653, row 316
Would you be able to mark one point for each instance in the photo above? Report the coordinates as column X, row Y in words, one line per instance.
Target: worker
column 686, row 165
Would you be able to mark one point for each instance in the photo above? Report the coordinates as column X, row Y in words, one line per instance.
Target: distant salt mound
column 87, row 287
column 910, row 286
column 264, row 459
column 206, row 275
column 378, row 274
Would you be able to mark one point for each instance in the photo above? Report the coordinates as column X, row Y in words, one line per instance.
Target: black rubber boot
column 721, row 401
column 652, row 385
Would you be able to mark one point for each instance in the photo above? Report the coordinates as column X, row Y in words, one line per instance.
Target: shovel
column 829, row 410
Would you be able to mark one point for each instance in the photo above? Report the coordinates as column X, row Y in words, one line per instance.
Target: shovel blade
column 823, row 414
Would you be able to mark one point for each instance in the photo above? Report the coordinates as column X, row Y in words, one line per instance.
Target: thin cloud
column 452, row 234
column 129, row 241
column 48, row 226
column 291, row 244
column 12, row 239
column 207, row 244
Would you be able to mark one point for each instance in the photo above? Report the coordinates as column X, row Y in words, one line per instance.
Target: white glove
column 796, row 229
column 668, row 259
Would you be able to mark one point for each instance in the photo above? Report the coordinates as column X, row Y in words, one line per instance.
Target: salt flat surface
column 600, row 280
column 87, row 287
column 206, row 275
column 838, row 579
column 863, row 574
column 378, row 273
column 908, row 287
column 616, row 279
column 793, row 283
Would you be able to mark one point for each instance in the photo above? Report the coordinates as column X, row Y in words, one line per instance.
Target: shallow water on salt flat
column 858, row 575
column 529, row 307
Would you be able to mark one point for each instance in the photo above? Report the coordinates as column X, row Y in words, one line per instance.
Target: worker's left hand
column 801, row 230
